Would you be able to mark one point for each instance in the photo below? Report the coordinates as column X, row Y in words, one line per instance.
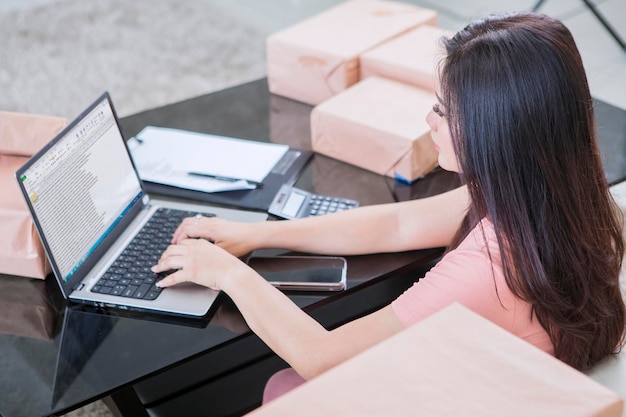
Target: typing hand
column 234, row 237
column 198, row 261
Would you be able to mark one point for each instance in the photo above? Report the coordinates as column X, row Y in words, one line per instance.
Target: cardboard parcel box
column 379, row 125
column 21, row 135
column 319, row 57
column 455, row 363
column 411, row 58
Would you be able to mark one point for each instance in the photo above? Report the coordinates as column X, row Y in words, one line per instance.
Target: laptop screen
column 81, row 186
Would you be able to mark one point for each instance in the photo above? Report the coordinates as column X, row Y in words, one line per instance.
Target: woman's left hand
column 198, row 261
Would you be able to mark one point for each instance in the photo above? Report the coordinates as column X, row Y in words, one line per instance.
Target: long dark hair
column 521, row 120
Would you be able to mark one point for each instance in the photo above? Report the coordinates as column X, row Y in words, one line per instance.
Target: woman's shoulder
column 479, row 251
column 475, row 261
column 482, row 236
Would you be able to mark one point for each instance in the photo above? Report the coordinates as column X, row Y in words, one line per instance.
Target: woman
column 534, row 237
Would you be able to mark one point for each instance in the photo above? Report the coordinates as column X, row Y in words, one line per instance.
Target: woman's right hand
column 238, row 238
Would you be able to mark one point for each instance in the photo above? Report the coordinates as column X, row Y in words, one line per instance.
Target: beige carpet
column 57, row 58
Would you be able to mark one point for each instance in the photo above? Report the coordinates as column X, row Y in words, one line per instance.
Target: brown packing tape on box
column 454, row 363
column 21, row 251
column 319, row 57
column 379, row 125
column 410, row 58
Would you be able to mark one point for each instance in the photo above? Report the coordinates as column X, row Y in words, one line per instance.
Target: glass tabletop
column 55, row 357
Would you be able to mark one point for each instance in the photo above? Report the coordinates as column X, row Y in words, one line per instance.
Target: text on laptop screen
column 82, row 187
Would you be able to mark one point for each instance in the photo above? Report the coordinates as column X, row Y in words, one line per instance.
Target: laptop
column 101, row 231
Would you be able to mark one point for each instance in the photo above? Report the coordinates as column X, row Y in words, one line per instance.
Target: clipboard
column 286, row 171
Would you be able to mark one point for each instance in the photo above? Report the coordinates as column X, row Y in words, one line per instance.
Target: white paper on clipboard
column 167, row 156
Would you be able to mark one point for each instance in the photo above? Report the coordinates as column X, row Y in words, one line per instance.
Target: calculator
column 293, row 203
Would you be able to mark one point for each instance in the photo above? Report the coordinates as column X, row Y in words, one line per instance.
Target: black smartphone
column 303, row 273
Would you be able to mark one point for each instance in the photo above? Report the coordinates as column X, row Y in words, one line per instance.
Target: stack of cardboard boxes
column 21, row 135
column 368, row 67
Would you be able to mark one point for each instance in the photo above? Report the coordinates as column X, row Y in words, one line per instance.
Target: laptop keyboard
column 130, row 274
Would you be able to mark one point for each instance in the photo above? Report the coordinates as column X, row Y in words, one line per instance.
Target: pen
column 223, row 178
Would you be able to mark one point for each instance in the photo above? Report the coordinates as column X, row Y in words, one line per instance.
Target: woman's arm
column 301, row 341
column 283, row 326
column 416, row 224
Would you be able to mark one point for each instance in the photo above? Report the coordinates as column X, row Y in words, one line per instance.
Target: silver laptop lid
column 78, row 188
